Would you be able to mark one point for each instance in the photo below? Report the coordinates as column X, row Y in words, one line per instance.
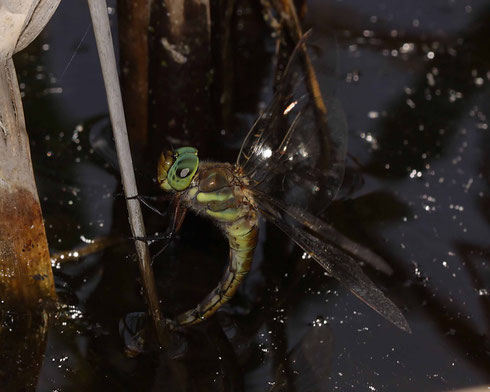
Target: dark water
column 413, row 80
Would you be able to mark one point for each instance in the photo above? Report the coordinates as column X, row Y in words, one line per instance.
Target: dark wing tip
column 348, row 272
column 363, row 288
column 376, row 300
column 396, row 317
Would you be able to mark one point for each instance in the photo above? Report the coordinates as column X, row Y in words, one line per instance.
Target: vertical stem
column 25, row 267
column 133, row 23
column 100, row 19
column 26, row 279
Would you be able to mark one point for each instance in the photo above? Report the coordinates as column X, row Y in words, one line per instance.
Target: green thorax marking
column 216, row 194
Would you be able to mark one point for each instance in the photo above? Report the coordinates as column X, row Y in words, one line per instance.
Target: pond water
column 413, row 79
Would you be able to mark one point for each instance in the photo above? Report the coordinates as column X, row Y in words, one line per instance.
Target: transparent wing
column 294, row 152
column 294, row 157
column 329, row 249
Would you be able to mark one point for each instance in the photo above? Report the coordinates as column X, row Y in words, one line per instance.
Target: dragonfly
column 289, row 168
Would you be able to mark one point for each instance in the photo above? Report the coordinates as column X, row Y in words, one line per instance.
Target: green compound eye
column 185, row 166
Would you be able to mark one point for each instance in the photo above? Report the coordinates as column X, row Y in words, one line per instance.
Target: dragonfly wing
column 295, row 152
column 311, row 234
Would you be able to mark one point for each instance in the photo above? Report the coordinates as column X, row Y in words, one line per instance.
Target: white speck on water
column 407, row 47
column 417, row 271
column 371, row 140
column 483, row 292
column 454, row 95
column 414, row 173
column 430, row 79
column 86, row 240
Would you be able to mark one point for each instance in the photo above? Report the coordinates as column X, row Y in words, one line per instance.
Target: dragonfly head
column 177, row 169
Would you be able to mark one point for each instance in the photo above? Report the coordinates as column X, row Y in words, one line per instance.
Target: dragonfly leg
column 177, row 220
column 154, row 237
column 167, row 237
column 160, row 251
column 145, row 200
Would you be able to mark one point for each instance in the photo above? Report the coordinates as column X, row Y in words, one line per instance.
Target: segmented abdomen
column 224, row 203
column 242, row 237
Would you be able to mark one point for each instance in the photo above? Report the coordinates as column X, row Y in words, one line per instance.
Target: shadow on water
column 415, row 192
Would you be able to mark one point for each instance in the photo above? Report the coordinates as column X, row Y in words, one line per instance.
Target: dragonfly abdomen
column 239, row 222
column 242, row 237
